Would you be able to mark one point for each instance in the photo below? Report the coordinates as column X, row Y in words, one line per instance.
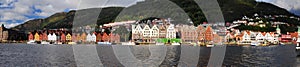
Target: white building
column 49, row 37
column 260, row 37
column 269, row 37
column 136, row 32
column 246, row 38
column 147, row 32
column 155, row 32
column 52, row 37
column 89, row 38
column 93, row 37
column 171, row 32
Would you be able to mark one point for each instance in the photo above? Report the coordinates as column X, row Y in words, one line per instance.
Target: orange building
column 44, row 36
column 98, row 37
column 30, row 37
column 208, row 34
column 201, row 31
column 83, row 37
column 63, row 37
column 105, row 37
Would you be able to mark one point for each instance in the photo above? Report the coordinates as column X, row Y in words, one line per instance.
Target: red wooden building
column 98, row 37
column 63, row 37
column 30, row 37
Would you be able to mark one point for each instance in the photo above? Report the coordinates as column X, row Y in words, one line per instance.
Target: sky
column 15, row 12
column 290, row 5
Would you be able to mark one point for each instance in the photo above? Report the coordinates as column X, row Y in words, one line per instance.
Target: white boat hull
column 209, row 45
column 31, row 42
column 175, row 44
column 43, row 42
column 104, row 43
column 128, row 43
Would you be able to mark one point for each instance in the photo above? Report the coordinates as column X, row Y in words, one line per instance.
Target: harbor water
column 25, row 55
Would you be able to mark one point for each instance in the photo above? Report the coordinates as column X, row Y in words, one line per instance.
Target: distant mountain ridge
column 232, row 10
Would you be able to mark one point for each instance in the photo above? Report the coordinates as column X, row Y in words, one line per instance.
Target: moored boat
column 159, row 44
column 45, row 42
column 31, row 42
column 72, row 43
column 175, row 43
column 210, row 45
column 128, row 43
column 103, row 43
column 255, row 43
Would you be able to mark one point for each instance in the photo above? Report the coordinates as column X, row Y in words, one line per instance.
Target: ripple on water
column 63, row 55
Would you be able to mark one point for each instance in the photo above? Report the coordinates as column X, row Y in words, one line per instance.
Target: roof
column 295, row 34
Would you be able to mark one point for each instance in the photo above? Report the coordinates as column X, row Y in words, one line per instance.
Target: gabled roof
column 295, row 34
column 138, row 27
column 259, row 34
column 272, row 33
column 161, row 27
column 146, row 27
column 264, row 33
column 200, row 27
column 154, row 27
column 208, row 29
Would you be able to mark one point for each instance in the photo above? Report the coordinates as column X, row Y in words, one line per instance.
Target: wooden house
column 208, row 34
column 98, row 37
column 200, row 32
column 74, row 37
column 105, row 38
column 93, row 37
column 69, row 37
column 63, row 37
column 83, row 37
column 30, row 36
column 36, row 36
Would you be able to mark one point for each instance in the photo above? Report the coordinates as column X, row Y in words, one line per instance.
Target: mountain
column 178, row 10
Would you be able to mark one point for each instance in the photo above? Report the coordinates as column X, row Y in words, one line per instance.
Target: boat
column 31, row 42
column 59, row 43
column 45, row 42
column 128, row 43
column 104, row 43
column 72, row 43
column 255, row 43
column 159, row 44
column 210, row 45
column 175, row 43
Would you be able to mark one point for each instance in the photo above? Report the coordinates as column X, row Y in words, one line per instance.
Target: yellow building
column 37, row 37
column 69, row 37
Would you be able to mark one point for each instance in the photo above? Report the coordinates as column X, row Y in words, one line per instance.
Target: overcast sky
column 291, row 5
column 15, row 12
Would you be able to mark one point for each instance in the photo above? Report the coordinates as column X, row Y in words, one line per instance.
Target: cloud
column 9, row 25
column 290, row 5
column 14, row 12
